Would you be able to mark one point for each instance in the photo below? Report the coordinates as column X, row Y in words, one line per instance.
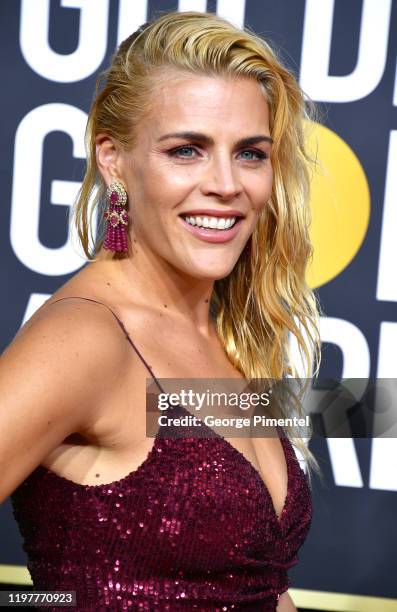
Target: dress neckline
column 279, row 519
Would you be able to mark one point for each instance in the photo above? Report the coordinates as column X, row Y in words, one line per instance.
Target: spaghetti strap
column 121, row 324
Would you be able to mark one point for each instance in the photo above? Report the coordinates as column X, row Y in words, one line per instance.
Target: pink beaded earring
column 117, row 218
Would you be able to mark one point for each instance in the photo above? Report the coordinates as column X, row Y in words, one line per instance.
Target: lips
column 212, row 213
column 207, row 234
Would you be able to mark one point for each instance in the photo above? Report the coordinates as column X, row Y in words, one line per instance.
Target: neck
column 153, row 282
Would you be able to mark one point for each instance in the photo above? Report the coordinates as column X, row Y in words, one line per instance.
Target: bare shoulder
column 54, row 377
column 74, row 336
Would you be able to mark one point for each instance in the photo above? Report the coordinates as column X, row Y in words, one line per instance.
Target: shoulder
column 76, row 344
column 55, row 376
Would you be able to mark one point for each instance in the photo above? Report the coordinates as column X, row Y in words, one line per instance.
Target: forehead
column 203, row 102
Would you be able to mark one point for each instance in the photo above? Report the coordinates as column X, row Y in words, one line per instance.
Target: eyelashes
column 260, row 155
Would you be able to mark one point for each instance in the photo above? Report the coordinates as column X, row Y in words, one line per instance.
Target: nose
column 220, row 178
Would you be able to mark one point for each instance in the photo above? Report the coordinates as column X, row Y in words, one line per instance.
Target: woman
column 196, row 119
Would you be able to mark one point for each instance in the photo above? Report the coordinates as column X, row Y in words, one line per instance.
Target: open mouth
column 211, row 223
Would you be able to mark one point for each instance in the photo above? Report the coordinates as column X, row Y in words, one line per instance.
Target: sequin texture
column 193, row 528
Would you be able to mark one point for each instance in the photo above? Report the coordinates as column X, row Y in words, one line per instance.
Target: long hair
column 265, row 300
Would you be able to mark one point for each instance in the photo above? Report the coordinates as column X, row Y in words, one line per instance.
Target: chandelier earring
column 117, row 219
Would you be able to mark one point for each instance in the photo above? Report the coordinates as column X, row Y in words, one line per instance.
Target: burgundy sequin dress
column 193, row 528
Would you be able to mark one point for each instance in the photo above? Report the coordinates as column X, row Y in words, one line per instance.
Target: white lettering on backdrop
column 316, row 50
column 26, row 187
column 64, row 68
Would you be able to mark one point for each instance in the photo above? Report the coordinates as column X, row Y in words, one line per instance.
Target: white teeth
column 212, row 222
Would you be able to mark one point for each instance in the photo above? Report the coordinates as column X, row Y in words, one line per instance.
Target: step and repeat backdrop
column 344, row 54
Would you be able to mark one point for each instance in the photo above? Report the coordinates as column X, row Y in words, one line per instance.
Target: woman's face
column 190, row 161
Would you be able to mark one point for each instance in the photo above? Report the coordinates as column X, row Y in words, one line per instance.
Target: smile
column 212, row 229
column 220, row 223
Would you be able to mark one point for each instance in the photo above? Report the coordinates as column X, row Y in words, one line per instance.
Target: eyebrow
column 203, row 138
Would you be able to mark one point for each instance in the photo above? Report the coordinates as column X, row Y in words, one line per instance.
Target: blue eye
column 259, row 154
column 175, row 151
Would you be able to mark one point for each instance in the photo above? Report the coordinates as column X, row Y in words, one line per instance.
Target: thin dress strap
column 141, row 357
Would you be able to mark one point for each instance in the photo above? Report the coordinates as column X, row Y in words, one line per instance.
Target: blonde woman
column 196, row 157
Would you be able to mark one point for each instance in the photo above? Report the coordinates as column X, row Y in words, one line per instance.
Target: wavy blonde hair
column 265, row 299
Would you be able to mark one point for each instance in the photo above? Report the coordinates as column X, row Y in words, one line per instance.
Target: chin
column 211, row 273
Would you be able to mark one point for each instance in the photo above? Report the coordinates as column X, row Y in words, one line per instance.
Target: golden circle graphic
column 340, row 204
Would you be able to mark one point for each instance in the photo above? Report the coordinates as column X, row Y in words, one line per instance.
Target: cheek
column 262, row 192
column 157, row 201
column 166, row 182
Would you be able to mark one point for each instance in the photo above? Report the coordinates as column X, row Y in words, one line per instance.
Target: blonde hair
column 265, row 298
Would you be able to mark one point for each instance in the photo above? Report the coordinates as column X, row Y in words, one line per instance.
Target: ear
column 108, row 158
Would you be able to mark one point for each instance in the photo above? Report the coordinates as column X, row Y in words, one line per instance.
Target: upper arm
column 53, row 376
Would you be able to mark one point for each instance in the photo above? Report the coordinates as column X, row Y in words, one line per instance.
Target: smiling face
column 222, row 170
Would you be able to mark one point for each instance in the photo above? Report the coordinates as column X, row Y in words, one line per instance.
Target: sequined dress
column 193, row 528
